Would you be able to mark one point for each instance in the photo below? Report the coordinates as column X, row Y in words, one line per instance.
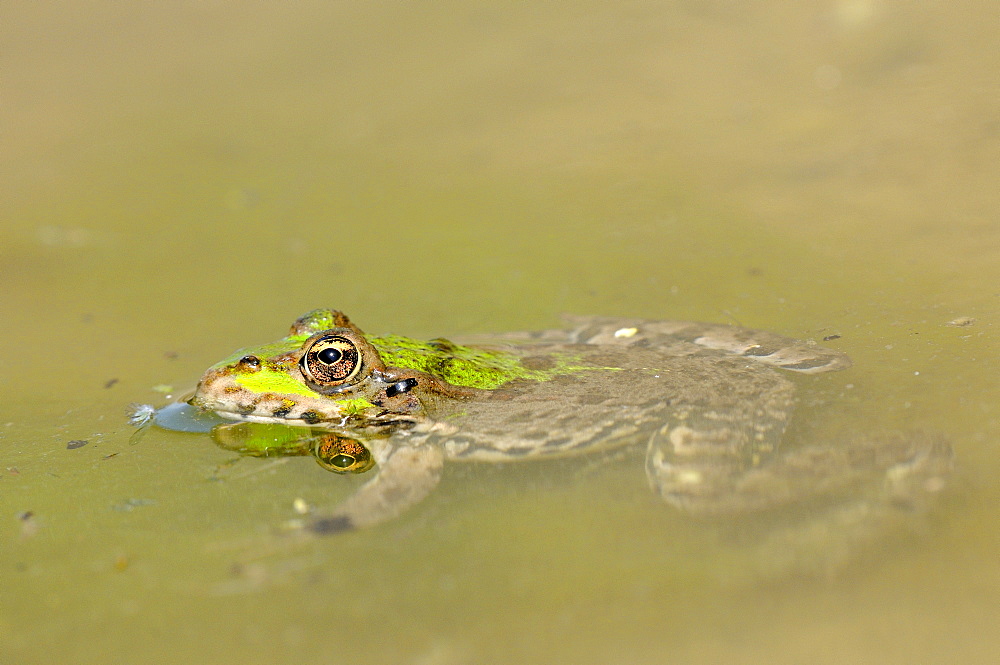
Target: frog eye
column 342, row 455
column 331, row 360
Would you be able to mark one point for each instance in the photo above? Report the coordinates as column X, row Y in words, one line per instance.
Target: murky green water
column 182, row 180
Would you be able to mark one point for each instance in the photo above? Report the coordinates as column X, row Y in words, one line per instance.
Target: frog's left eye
column 331, row 360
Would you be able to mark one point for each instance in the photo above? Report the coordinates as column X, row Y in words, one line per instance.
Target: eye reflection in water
column 333, row 452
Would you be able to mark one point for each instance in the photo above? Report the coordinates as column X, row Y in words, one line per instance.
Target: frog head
column 323, row 371
column 327, row 372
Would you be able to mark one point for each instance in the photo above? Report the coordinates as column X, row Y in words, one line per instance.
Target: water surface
column 183, row 180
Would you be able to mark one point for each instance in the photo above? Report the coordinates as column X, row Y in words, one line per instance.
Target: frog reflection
column 333, row 452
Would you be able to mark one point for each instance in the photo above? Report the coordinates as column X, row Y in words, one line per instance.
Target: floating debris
column 140, row 414
column 76, row 443
column 961, row 322
column 29, row 525
column 109, row 383
column 129, row 505
column 831, row 337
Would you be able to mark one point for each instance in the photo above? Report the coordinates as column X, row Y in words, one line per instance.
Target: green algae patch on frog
column 315, row 321
column 270, row 382
column 458, row 365
column 267, row 381
column 470, row 367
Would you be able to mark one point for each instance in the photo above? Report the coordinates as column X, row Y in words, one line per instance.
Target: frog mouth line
column 395, row 422
column 252, row 412
column 258, row 418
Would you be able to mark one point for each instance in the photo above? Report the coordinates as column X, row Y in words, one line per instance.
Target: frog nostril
column 250, row 362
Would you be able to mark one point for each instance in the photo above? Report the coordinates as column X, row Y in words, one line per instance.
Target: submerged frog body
column 709, row 402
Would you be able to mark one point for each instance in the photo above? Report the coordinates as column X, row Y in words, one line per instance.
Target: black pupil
column 329, row 355
column 342, row 461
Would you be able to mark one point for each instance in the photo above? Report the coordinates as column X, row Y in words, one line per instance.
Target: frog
column 710, row 403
